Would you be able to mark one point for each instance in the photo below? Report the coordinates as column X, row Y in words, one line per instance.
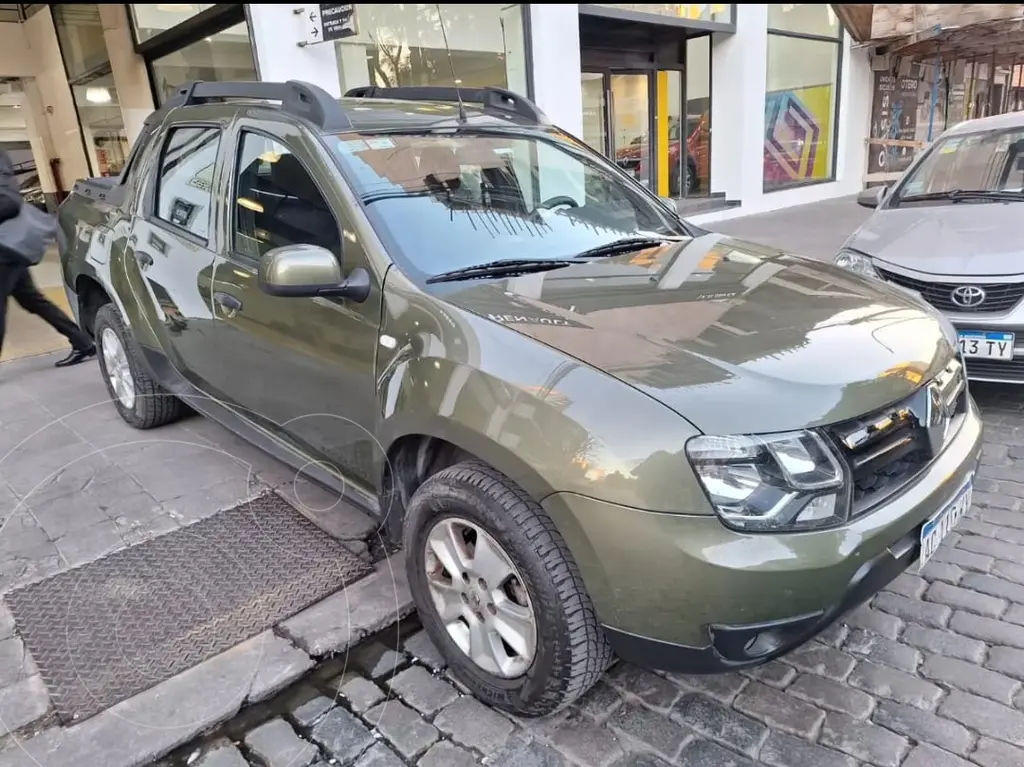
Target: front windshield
column 987, row 161
column 446, row 201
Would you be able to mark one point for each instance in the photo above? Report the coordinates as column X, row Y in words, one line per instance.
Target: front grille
column 1002, row 370
column 886, row 449
column 999, row 296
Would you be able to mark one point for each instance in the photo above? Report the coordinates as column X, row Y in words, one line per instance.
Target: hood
column 735, row 337
column 966, row 239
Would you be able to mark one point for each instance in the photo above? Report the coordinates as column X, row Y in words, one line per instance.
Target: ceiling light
column 97, row 95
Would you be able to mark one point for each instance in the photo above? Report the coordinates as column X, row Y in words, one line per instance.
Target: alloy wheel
column 119, row 372
column 480, row 598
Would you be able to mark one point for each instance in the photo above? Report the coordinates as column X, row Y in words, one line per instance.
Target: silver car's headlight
column 772, row 483
column 856, row 262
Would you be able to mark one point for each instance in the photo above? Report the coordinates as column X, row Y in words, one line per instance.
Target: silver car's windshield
column 969, row 166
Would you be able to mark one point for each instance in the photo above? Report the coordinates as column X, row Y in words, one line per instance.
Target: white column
column 738, row 78
column 276, row 31
column 855, row 98
column 555, row 46
column 131, row 80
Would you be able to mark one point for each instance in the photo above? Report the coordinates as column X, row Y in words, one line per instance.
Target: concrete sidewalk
column 817, row 230
column 76, row 483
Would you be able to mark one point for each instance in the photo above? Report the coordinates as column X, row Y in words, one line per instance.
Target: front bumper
column 684, row 593
column 1004, row 315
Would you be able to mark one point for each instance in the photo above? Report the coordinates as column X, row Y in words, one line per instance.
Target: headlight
column 772, row 483
column 856, row 262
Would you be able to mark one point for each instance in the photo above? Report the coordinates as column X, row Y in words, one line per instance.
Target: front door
column 302, row 368
column 171, row 251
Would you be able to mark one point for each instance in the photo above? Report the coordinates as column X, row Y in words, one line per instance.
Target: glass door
column 630, row 123
column 617, row 119
column 595, row 111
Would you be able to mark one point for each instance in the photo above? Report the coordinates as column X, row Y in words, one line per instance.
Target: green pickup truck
column 596, row 429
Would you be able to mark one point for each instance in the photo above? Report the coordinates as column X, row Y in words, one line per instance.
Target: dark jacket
column 10, row 192
column 10, row 204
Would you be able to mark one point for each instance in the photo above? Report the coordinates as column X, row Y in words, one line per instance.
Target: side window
column 184, row 194
column 277, row 202
column 138, row 151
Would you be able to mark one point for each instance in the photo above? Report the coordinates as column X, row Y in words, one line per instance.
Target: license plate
column 938, row 527
column 986, row 345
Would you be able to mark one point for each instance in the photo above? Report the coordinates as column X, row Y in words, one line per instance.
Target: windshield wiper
column 621, row 246
column 506, row 267
column 957, row 195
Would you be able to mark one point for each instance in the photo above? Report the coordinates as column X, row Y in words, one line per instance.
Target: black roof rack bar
column 494, row 99
column 303, row 100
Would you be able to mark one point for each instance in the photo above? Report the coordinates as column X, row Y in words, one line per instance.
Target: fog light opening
column 764, row 643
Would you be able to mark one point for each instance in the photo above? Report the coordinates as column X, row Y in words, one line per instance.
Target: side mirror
column 872, row 197
column 310, row 271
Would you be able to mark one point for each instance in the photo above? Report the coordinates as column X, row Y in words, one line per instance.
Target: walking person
column 22, row 245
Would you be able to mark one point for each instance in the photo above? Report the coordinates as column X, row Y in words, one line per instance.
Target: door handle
column 228, row 303
column 145, row 260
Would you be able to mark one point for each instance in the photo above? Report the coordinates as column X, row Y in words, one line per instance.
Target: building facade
column 731, row 109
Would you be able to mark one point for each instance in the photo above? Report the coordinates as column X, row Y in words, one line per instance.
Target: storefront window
column 80, row 34
column 720, row 13
column 150, row 19
column 803, row 18
column 84, row 50
column 698, row 113
column 401, row 45
column 225, row 55
column 102, row 125
column 801, row 99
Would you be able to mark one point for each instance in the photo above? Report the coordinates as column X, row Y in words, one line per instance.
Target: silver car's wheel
column 119, row 372
column 480, row 598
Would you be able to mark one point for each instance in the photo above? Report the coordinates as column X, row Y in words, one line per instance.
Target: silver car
column 950, row 231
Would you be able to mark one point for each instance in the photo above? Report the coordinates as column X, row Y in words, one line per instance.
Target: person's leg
column 8, row 277
column 32, row 300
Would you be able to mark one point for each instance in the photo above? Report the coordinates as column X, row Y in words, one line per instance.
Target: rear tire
column 569, row 651
column 149, row 404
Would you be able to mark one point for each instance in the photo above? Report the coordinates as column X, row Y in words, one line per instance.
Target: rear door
column 172, row 245
column 302, row 368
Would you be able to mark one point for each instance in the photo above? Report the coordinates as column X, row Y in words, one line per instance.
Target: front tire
column 499, row 592
column 141, row 402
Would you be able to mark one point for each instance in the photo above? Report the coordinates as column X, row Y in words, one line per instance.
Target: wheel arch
column 91, row 295
column 421, row 448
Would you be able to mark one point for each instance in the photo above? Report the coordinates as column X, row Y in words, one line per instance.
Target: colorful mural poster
column 797, row 135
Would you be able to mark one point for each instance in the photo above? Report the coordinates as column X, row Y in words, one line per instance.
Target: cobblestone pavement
column 929, row 674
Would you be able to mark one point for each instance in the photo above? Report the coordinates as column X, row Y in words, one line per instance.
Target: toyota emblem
column 968, row 296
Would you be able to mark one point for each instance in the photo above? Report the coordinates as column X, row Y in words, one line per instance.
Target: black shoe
column 76, row 356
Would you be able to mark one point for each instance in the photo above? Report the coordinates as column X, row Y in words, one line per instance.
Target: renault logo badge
column 936, row 418
column 968, row 296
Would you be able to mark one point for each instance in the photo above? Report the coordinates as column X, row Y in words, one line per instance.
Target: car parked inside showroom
column 595, row 428
column 949, row 232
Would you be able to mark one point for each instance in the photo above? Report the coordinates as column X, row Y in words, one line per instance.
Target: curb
column 134, row 732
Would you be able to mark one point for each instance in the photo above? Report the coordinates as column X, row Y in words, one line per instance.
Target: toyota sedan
column 949, row 232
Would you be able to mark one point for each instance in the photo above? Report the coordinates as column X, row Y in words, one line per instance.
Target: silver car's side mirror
column 310, row 271
column 872, row 197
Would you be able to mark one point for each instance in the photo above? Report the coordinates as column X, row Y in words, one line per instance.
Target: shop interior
column 646, row 101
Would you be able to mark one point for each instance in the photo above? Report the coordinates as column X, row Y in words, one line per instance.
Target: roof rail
column 493, row 99
column 303, row 100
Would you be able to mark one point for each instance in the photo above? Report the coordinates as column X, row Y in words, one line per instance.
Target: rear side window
column 184, row 192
